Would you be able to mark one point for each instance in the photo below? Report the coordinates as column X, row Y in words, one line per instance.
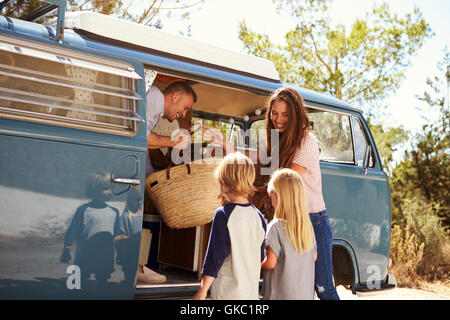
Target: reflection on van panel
column 75, row 109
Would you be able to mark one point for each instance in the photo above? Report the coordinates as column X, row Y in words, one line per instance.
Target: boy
column 236, row 244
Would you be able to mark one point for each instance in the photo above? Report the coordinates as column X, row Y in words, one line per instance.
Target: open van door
column 72, row 145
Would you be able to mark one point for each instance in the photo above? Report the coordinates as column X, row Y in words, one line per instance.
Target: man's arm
column 155, row 141
column 180, row 141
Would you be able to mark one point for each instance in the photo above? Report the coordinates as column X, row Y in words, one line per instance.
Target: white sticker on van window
column 150, row 76
column 82, row 75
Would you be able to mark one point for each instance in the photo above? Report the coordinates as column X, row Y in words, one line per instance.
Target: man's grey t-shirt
column 154, row 110
column 293, row 276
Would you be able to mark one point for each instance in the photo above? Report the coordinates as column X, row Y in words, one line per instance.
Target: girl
column 298, row 150
column 290, row 241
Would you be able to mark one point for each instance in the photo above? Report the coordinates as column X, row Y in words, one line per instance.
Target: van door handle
column 134, row 182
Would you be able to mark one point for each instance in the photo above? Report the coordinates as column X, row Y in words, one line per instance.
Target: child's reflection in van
column 94, row 227
column 128, row 246
column 130, row 235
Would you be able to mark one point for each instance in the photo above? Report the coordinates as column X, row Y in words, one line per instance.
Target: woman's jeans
column 323, row 282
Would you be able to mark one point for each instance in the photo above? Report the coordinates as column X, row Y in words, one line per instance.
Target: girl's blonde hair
column 292, row 208
column 237, row 172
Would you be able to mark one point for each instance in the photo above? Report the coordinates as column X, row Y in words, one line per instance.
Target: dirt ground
column 426, row 291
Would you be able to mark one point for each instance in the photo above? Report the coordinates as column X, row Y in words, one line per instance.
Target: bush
column 406, row 253
column 422, row 220
column 419, row 245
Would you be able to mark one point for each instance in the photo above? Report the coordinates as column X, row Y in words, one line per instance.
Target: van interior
column 178, row 253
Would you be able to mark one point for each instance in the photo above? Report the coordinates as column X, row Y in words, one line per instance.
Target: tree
column 361, row 65
column 387, row 141
column 152, row 12
column 425, row 171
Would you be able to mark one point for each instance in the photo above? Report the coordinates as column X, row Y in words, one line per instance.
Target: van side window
column 49, row 85
column 232, row 131
column 257, row 132
column 332, row 131
column 333, row 134
column 360, row 143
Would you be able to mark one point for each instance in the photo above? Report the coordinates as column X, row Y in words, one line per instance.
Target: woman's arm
column 270, row 261
column 296, row 167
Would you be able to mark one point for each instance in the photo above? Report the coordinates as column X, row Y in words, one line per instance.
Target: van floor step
column 180, row 284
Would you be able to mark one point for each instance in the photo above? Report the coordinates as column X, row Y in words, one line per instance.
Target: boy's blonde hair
column 237, row 173
column 292, row 208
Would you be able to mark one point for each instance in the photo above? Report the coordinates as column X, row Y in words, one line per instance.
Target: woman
column 298, row 150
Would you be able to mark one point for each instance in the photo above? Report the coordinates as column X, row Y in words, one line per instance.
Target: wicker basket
column 186, row 195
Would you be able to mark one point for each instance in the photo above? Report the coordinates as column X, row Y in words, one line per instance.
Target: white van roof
column 152, row 38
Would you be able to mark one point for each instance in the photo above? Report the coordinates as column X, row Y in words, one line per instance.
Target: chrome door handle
column 134, row 182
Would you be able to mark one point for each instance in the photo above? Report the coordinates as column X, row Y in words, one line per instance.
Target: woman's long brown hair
column 298, row 125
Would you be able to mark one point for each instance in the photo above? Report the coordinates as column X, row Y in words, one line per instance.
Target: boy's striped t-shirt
column 235, row 251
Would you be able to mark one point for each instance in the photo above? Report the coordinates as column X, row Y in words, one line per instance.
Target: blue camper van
column 73, row 147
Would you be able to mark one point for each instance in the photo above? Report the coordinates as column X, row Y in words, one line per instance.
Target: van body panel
column 43, row 182
column 357, row 208
column 44, row 171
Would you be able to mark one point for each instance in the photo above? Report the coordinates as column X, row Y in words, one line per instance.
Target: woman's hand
column 217, row 137
column 214, row 135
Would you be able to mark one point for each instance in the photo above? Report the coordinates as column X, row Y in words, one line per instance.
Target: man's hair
column 237, row 172
column 180, row 86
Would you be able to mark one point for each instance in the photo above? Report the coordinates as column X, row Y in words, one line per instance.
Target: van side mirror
column 366, row 162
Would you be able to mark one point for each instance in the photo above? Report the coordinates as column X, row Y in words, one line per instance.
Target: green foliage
column 19, row 7
column 363, row 64
column 421, row 226
column 387, row 141
column 152, row 12
column 425, row 170
column 420, row 185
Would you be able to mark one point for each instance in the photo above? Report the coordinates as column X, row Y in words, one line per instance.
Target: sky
column 217, row 22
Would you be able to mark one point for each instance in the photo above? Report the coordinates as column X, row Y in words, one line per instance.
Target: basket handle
column 170, row 165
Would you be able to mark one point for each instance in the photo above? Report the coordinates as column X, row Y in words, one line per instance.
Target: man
column 174, row 103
